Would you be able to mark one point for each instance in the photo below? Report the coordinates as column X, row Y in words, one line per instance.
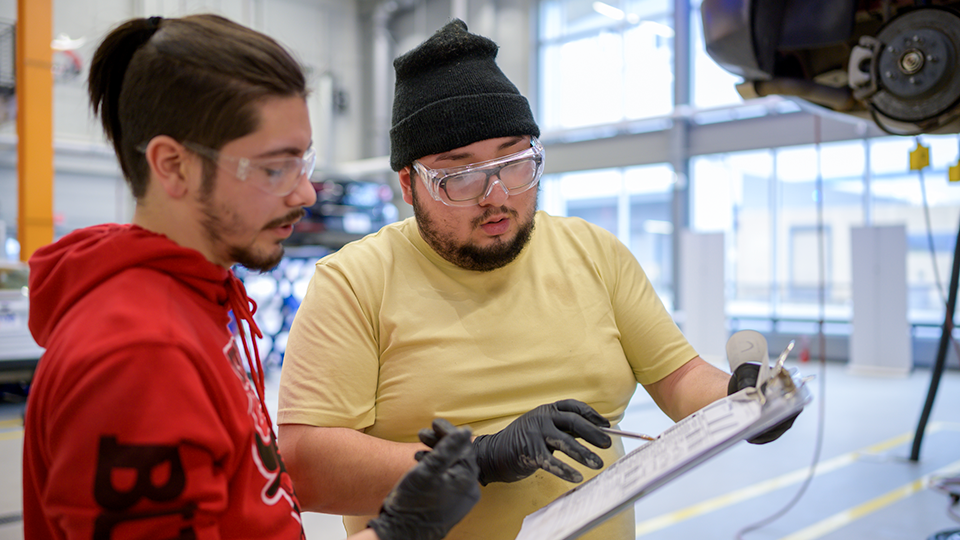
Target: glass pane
column 584, row 82
column 592, row 195
column 765, row 202
column 802, row 254
column 561, row 18
column 604, row 62
column 635, row 204
column 750, row 251
column 713, row 86
column 712, row 194
column 650, row 235
column 843, row 160
column 798, row 164
column 890, row 155
column 732, row 194
column 897, row 198
column 648, row 79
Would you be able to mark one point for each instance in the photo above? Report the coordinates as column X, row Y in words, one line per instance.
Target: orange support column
column 34, row 124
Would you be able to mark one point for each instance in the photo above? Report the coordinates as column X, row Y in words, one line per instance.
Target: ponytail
column 197, row 80
column 108, row 68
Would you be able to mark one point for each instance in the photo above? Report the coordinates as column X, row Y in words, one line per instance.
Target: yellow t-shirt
column 390, row 336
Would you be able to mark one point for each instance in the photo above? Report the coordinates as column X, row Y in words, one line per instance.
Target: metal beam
column 680, row 149
column 34, row 93
column 629, row 149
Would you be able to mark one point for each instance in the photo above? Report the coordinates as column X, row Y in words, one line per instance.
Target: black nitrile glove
column 745, row 376
column 434, row 495
column 527, row 444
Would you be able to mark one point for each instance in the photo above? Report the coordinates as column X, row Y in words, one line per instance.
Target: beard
column 470, row 256
column 219, row 225
column 249, row 257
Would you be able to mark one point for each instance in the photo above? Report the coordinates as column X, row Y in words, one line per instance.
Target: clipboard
column 683, row 446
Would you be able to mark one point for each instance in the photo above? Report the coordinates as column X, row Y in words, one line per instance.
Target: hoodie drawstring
column 243, row 308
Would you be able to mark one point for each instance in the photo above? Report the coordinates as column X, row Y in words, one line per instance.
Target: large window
column 604, row 62
column 713, row 86
column 634, row 203
column 897, row 197
column 765, row 202
column 732, row 194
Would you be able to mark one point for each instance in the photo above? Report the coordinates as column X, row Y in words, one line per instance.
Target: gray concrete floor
column 865, row 487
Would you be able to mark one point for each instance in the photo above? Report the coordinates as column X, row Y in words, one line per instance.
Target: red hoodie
column 141, row 420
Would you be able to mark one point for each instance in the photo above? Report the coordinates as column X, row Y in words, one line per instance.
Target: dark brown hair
column 196, row 78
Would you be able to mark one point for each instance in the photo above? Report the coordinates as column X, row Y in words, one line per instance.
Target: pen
column 629, row 434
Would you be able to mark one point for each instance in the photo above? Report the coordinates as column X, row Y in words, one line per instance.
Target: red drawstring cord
column 242, row 311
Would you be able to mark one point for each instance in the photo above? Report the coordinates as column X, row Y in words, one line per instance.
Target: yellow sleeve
column 331, row 365
column 652, row 342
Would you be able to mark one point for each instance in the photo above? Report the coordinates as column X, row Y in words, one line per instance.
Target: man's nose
column 494, row 196
column 304, row 194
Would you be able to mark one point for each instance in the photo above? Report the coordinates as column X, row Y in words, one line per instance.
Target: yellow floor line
column 940, row 425
column 841, row 519
column 761, row 488
column 11, row 423
column 10, row 435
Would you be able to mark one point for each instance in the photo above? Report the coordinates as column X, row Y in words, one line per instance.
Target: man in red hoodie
column 142, row 420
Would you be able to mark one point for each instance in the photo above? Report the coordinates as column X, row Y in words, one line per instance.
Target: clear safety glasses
column 276, row 176
column 466, row 185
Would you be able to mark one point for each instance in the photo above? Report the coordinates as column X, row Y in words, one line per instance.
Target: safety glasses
column 466, row 185
column 276, row 176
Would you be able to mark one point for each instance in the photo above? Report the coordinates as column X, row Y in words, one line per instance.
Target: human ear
column 405, row 179
column 169, row 165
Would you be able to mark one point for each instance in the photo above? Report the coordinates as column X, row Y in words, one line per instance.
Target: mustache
column 288, row 219
column 490, row 212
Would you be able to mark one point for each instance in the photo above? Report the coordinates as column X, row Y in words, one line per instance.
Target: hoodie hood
column 64, row 272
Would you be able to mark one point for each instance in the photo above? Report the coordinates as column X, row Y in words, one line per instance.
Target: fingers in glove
column 584, row 410
column 773, row 433
column 578, row 424
column 455, row 445
column 432, row 435
column 429, row 437
column 560, row 439
column 744, row 376
column 436, row 493
column 560, row 469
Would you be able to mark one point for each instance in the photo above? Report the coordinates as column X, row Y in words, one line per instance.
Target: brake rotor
column 916, row 68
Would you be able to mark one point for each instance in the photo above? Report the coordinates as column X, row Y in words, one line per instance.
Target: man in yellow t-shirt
column 532, row 330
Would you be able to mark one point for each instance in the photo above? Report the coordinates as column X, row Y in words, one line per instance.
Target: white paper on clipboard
column 684, row 445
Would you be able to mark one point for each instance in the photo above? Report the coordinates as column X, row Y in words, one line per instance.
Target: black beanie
column 450, row 93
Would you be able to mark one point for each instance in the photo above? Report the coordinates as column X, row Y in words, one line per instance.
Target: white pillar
column 880, row 339
column 701, row 278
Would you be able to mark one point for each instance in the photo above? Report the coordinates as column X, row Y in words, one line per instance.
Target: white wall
column 508, row 23
column 88, row 189
column 321, row 33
